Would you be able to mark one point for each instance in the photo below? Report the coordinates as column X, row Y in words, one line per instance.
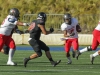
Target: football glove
column 51, row 29
column 26, row 24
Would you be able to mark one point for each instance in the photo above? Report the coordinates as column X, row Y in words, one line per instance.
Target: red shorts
column 71, row 42
column 6, row 40
column 96, row 39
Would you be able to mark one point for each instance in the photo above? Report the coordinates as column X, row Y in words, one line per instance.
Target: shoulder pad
column 12, row 20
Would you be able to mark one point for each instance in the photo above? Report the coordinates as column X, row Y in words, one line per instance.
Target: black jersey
column 35, row 31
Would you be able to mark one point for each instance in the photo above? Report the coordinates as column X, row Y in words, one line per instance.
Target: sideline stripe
column 58, row 48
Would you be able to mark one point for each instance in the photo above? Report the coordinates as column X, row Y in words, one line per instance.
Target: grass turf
column 42, row 66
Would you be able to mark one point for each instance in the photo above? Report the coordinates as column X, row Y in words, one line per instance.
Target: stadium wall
column 52, row 39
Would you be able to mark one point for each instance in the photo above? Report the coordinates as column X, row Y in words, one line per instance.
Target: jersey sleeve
column 76, row 21
column 63, row 27
column 12, row 20
column 9, row 20
column 41, row 22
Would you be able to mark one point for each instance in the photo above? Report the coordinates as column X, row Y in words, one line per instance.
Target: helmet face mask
column 42, row 16
column 14, row 12
column 67, row 18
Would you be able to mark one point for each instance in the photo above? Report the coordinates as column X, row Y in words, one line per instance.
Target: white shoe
column 69, row 62
column 11, row 63
column 91, row 58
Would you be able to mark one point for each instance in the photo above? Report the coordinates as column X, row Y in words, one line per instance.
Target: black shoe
column 77, row 54
column 54, row 63
column 25, row 61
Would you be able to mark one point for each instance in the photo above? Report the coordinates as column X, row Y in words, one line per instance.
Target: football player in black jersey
column 36, row 27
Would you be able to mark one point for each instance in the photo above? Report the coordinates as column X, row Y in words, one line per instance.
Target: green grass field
column 42, row 66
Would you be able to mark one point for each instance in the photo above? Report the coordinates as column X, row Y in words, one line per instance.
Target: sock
column 83, row 50
column 10, row 55
column 69, row 59
column 50, row 59
column 95, row 54
column 29, row 58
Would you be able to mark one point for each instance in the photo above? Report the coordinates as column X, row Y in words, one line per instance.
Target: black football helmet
column 67, row 18
column 14, row 12
column 42, row 15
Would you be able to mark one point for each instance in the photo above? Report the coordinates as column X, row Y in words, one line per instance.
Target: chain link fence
column 87, row 22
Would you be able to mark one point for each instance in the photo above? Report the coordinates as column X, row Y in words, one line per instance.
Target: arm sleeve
column 41, row 22
column 12, row 20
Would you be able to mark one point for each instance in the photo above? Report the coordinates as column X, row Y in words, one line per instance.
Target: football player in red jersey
column 8, row 24
column 5, row 49
column 95, row 44
column 70, row 27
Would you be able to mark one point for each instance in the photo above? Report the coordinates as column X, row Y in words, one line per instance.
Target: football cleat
column 25, row 61
column 11, row 63
column 54, row 63
column 91, row 58
column 69, row 62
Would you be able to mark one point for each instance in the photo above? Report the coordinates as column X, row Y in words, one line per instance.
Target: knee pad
column 89, row 48
column 39, row 54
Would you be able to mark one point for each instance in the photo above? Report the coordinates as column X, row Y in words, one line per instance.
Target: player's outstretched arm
column 44, row 31
column 22, row 24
